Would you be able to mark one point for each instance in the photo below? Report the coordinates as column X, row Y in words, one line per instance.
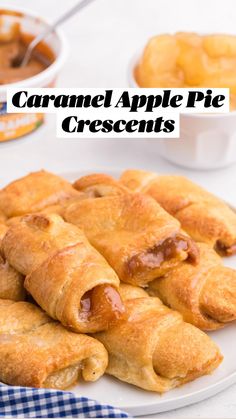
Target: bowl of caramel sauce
column 17, row 30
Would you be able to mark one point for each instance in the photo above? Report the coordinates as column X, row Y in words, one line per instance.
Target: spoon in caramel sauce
column 41, row 37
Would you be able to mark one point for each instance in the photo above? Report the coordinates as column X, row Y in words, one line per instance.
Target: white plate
column 139, row 402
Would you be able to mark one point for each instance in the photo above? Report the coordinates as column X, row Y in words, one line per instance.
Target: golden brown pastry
column 204, row 294
column 98, row 184
column 67, row 277
column 58, row 209
column 138, row 238
column 20, row 317
column 3, row 230
column 11, row 281
column 38, row 352
column 2, row 218
column 153, row 348
column 202, row 215
column 35, row 192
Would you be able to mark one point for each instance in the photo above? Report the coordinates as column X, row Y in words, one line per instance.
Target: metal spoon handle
column 51, row 28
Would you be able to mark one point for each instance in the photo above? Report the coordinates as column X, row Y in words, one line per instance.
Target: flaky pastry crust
column 67, row 277
column 11, row 281
column 35, row 192
column 38, row 352
column 138, row 238
column 97, row 185
column 153, row 348
column 202, row 215
column 204, row 294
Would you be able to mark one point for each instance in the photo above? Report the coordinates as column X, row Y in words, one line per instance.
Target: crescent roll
column 98, row 184
column 11, row 281
column 202, row 215
column 35, row 192
column 204, row 294
column 2, row 218
column 137, row 237
column 3, row 230
column 153, row 348
column 38, row 352
column 65, row 275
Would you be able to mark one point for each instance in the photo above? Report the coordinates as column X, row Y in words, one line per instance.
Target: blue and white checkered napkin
column 40, row 403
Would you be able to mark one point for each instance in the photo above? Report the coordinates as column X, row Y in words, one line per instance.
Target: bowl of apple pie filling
column 191, row 60
column 17, row 30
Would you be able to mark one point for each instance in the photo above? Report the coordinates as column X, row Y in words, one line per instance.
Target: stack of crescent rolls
column 118, row 276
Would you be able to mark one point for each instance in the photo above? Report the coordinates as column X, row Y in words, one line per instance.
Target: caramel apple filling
column 188, row 59
column 167, row 253
column 225, row 250
column 64, row 378
column 101, row 307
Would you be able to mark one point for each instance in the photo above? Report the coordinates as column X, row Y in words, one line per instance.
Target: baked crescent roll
column 153, row 348
column 204, row 294
column 67, row 277
column 202, row 215
column 2, row 217
column 21, row 317
column 138, row 238
column 98, row 184
column 34, row 192
column 38, row 352
column 3, row 230
column 11, row 281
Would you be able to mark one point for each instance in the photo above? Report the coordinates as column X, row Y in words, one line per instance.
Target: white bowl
column 207, row 141
column 13, row 126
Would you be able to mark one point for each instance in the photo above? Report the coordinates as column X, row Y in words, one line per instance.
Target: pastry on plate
column 153, row 348
column 3, row 230
column 2, row 217
column 139, row 239
column 97, row 185
column 204, row 294
column 11, row 281
column 65, row 275
column 202, row 215
column 35, row 192
column 38, row 352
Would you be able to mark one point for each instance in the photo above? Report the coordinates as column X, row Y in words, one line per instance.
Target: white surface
column 102, row 39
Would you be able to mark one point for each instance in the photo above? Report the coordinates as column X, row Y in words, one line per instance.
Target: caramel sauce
column 224, row 250
column 42, row 48
column 13, row 46
column 86, row 304
column 168, row 249
column 102, row 306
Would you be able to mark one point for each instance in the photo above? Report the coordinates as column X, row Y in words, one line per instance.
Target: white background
column 102, row 40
